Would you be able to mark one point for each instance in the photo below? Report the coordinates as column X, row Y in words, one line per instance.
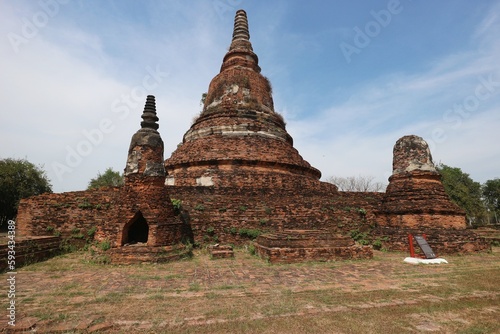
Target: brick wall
column 66, row 213
column 108, row 211
column 442, row 241
column 220, row 214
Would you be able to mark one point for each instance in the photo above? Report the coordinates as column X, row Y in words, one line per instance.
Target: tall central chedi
column 239, row 140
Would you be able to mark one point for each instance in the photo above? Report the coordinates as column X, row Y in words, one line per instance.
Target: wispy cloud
column 357, row 135
column 65, row 80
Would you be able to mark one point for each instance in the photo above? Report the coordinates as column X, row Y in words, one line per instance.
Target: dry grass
column 247, row 295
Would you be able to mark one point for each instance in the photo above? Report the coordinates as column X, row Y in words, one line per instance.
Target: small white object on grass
column 415, row 260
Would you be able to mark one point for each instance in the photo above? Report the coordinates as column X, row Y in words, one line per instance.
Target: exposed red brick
column 238, row 130
column 289, row 246
column 114, row 211
column 415, row 197
column 237, row 173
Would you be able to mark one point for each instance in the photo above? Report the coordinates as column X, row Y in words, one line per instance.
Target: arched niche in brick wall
column 136, row 230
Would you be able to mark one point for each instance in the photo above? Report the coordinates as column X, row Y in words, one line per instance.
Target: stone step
column 220, row 251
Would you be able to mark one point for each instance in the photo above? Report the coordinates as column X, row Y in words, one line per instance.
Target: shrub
column 249, row 233
column 177, row 203
column 251, row 249
column 360, row 237
column 105, row 245
column 91, row 232
column 377, row 244
column 85, row 204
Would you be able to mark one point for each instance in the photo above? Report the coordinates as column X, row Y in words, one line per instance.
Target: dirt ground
column 70, row 294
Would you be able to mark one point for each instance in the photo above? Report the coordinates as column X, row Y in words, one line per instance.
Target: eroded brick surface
column 239, row 129
column 238, row 175
column 114, row 213
column 289, row 246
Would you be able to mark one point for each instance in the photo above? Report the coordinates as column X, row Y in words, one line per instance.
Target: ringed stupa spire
column 145, row 154
column 240, row 31
column 238, row 139
column 149, row 115
column 240, row 51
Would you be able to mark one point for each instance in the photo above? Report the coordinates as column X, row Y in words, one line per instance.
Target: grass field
column 248, row 295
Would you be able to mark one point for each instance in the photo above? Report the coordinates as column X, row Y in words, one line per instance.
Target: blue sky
column 350, row 78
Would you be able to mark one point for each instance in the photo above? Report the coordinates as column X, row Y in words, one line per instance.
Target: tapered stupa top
column 149, row 115
column 145, row 153
column 241, row 31
column 238, row 131
column 412, row 153
column 240, row 51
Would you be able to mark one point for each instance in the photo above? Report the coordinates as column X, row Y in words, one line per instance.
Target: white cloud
column 65, row 80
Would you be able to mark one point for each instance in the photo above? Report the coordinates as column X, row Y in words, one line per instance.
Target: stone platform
column 140, row 253
column 29, row 250
column 489, row 233
column 442, row 241
column 292, row 246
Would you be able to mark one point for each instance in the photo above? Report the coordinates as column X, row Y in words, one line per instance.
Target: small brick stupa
column 415, row 202
column 239, row 140
column 155, row 222
column 415, row 196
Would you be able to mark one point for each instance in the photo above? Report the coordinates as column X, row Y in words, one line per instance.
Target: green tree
column 464, row 192
column 491, row 195
column 19, row 179
column 110, row 178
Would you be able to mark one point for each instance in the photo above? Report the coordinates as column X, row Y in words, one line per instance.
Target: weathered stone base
column 29, row 250
column 442, row 241
column 145, row 254
column 292, row 246
column 220, row 252
column 490, row 234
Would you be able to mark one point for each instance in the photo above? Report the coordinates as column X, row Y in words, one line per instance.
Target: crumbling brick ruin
column 139, row 213
column 238, row 177
column 415, row 201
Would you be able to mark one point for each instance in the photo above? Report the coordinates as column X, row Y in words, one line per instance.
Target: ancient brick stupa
column 239, row 140
column 415, row 196
column 236, row 177
column 239, row 148
column 416, row 203
column 154, row 220
column 137, row 220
